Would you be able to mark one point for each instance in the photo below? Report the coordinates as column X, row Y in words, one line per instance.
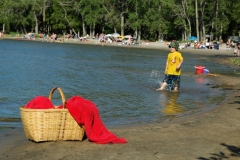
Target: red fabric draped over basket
column 86, row 113
column 40, row 102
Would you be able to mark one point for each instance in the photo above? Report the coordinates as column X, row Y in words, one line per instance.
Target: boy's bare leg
column 175, row 89
column 162, row 86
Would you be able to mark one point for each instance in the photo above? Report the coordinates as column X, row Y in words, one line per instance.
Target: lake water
column 121, row 81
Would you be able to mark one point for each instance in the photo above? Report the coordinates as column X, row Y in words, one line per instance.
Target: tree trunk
column 3, row 30
column 65, row 16
column 185, row 16
column 139, row 34
column 93, row 32
column 21, row 28
column 185, row 32
column 103, row 29
column 215, row 16
column 83, row 27
column 122, row 25
column 221, row 30
column 202, row 4
column 44, row 17
column 136, row 34
column 203, row 29
column 197, row 25
column 36, row 22
column 190, row 28
column 90, row 30
column 216, row 10
column 25, row 31
column 48, row 29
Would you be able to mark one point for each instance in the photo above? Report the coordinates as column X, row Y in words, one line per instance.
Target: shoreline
column 203, row 135
column 149, row 45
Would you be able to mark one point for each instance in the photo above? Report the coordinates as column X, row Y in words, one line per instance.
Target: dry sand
column 206, row 136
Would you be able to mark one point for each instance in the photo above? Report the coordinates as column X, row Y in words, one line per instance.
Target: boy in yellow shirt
column 173, row 67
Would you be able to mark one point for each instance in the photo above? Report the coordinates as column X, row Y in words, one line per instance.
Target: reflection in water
column 202, row 80
column 170, row 104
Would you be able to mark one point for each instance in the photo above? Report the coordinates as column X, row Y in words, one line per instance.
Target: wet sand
column 207, row 135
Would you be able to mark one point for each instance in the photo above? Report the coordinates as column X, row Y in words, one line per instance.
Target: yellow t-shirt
column 174, row 58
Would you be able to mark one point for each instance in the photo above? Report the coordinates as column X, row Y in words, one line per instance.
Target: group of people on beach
column 102, row 38
column 1, row 35
column 235, row 46
column 204, row 45
column 98, row 38
column 236, row 51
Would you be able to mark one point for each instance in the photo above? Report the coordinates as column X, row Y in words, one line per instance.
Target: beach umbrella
column 116, row 35
column 192, row 38
column 109, row 35
column 207, row 36
column 128, row 36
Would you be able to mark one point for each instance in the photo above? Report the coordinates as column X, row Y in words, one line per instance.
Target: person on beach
column 53, row 37
column 228, row 44
column 102, row 38
column 235, row 51
column 238, row 48
column 173, row 67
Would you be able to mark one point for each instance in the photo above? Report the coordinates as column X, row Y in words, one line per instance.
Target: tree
column 148, row 19
column 196, row 13
column 92, row 13
column 233, row 15
column 154, row 18
column 185, row 11
column 111, row 17
column 123, row 8
column 15, row 14
column 135, row 18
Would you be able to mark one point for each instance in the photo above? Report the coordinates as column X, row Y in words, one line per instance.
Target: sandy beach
column 205, row 136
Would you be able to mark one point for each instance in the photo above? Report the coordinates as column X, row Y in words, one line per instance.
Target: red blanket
column 40, row 102
column 86, row 113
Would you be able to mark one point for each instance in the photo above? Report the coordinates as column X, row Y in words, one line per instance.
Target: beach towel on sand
column 86, row 113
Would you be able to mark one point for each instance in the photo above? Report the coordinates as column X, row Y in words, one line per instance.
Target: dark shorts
column 173, row 80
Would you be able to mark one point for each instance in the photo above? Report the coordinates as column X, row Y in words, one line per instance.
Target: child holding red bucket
column 173, row 67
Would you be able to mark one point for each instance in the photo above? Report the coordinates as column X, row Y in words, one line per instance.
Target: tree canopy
column 143, row 19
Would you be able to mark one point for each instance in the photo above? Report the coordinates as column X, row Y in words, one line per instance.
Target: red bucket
column 199, row 69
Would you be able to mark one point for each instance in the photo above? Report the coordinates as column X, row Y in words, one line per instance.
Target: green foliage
column 235, row 61
column 153, row 18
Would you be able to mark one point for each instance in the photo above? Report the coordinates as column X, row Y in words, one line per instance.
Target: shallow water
column 121, row 81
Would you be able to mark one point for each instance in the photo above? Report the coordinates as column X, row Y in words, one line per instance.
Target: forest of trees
column 144, row 19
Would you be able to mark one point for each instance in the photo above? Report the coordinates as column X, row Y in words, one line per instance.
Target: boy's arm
column 166, row 67
column 180, row 63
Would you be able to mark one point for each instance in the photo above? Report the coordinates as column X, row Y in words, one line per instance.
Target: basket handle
column 61, row 93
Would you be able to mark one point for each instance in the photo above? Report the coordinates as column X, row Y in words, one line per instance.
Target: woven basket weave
column 50, row 124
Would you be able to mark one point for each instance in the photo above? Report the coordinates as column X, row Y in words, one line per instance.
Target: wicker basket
column 50, row 124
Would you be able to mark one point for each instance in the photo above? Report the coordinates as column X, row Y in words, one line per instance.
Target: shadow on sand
column 234, row 153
